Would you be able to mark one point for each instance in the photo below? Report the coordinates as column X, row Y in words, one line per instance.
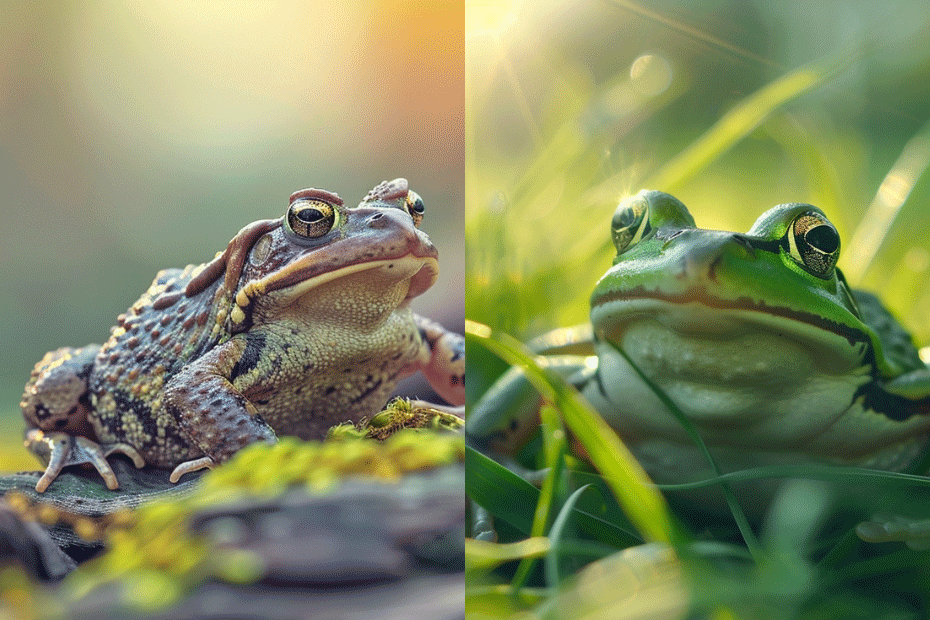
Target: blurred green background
column 571, row 104
column 136, row 136
column 733, row 106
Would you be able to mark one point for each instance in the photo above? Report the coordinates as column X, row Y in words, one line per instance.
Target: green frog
column 756, row 338
column 301, row 322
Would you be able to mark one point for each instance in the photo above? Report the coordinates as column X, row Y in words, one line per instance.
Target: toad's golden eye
column 415, row 207
column 814, row 244
column 311, row 218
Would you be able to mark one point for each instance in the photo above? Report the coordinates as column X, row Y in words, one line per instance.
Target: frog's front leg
column 914, row 532
column 211, row 411
column 506, row 417
column 445, row 369
column 55, row 405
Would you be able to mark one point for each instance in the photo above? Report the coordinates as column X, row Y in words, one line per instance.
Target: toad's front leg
column 445, row 369
column 59, row 450
column 55, row 405
column 211, row 411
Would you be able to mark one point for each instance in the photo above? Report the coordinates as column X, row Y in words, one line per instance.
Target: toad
column 301, row 322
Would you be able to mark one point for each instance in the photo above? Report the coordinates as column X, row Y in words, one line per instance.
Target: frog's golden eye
column 415, row 207
column 311, row 218
column 630, row 223
column 814, row 244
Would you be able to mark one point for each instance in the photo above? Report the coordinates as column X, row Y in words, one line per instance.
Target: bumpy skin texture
column 301, row 323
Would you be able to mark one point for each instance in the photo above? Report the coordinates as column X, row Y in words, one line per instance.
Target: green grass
column 802, row 560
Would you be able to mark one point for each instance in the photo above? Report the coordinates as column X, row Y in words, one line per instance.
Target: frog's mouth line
column 693, row 312
column 698, row 296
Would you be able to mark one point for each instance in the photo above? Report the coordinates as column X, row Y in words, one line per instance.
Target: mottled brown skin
column 301, row 323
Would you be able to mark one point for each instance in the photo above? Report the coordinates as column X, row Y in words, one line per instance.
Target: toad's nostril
column 378, row 220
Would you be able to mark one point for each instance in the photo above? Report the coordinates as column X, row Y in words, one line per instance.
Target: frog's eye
column 630, row 223
column 814, row 244
column 415, row 207
column 311, row 218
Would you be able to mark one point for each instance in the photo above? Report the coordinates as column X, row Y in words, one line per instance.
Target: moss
column 17, row 595
column 153, row 544
column 399, row 414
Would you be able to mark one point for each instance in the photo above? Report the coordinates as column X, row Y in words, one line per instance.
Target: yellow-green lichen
column 266, row 469
column 400, row 414
column 155, row 540
column 18, row 595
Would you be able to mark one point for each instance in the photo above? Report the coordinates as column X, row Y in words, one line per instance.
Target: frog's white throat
column 726, row 368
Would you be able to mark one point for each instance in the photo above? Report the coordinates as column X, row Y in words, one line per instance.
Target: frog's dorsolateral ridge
column 301, row 323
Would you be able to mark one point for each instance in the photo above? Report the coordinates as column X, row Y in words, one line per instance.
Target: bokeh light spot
column 651, row 75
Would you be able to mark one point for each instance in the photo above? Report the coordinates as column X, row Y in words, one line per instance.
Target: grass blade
column 640, row 500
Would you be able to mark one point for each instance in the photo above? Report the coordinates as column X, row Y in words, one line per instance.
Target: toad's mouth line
column 421, row 271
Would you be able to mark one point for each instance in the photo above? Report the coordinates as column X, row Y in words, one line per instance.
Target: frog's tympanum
column 755, row 337
column 301, row 323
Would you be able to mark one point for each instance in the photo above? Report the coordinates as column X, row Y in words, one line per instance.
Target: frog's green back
column 897, row 344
